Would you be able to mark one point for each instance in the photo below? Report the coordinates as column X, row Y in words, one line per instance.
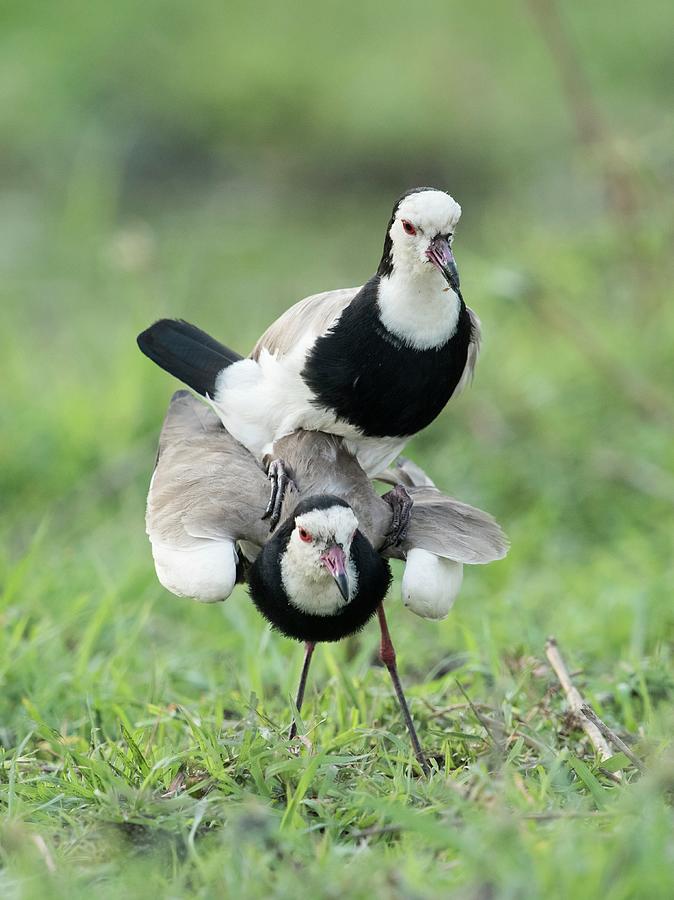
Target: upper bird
column 374, row 364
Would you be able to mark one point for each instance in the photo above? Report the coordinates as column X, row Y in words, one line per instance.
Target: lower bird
column 323, row 573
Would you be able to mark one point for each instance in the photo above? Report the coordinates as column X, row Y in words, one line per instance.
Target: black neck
column 269, row 596
column 385, row 267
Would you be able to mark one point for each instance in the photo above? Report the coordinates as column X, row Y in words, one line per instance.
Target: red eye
column 304, row 535
column 408, row 227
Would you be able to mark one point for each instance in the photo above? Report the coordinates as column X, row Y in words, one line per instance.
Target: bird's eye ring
column 408, row 228
column 304, row 535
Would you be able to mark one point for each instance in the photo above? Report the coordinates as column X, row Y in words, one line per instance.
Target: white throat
column 310, row 587
column 418, row 306
column 308, row 584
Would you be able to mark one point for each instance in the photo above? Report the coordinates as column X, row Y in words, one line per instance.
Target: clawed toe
column 281, row 479
column 401, row 504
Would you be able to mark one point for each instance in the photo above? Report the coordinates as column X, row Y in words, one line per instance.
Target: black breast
column 270, row 598
column 371, row 379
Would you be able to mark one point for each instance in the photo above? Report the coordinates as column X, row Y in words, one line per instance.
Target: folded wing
column 206, row 497
column 304, row 322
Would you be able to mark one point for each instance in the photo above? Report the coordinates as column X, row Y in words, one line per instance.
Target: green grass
column 111, row 688
column 142, row 737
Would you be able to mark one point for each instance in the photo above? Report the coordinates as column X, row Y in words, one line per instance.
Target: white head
column 318, row 573
column 419, row 297
column 420, row 235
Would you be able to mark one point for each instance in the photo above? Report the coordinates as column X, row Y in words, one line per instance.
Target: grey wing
column 452, row 529
column 186, row 417
column 439, row 524
column 443, row 525
column 205, row 485
column 305, row 321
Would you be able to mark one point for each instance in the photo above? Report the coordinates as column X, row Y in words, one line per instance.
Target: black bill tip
column 342, row 583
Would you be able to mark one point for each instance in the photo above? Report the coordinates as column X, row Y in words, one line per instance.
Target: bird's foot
column 281, row 478
column 401, row 504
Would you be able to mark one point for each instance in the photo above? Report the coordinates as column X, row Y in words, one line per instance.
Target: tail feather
column 187, row 352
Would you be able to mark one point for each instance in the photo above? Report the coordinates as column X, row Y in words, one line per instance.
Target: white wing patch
column 430, row 584
column 205, row 572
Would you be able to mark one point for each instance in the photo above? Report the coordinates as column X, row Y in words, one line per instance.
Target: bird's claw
column 281, row 479
column 401, row 504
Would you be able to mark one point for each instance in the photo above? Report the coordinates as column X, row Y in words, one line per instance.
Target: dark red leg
column 387, row 655
column 308, row 653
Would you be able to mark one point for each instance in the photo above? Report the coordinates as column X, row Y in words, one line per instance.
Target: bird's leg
column 387, row 655
column 308, row 653
column 281, row 478
column 401, row 503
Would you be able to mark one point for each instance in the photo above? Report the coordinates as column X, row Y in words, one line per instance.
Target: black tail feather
column 187, row 352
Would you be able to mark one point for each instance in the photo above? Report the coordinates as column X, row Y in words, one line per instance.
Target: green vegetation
column 218, row 164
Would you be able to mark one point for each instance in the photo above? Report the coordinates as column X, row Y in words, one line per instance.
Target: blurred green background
column 218, row 162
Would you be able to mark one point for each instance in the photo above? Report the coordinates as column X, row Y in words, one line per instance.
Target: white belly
column 260, row 402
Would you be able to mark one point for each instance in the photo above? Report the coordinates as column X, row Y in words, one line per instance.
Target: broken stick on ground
column 611, row 736
column 576, row 701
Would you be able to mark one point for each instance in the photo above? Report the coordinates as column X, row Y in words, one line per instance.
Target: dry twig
column 176, row 785
column 611, row 736
column 44, row 852
column 576, row 701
